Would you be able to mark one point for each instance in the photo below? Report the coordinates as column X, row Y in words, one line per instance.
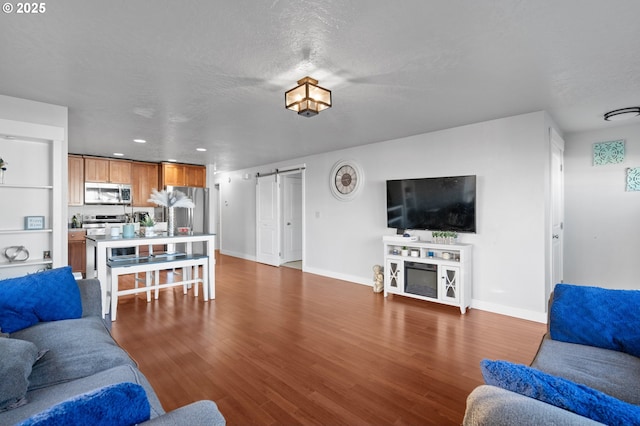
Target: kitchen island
column 102, row 244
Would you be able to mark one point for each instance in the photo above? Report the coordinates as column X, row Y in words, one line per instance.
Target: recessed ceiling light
column 201, row 149
column 118, row 154
column 140, row 141
column 622, row 114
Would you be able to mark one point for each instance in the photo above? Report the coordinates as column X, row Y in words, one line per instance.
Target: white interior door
column 292, row 217
column 268, row 220
column 557, row 210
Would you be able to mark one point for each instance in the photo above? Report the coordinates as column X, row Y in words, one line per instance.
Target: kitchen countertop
column 159, row 235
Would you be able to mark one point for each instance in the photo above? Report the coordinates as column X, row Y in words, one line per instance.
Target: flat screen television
column 436, row 204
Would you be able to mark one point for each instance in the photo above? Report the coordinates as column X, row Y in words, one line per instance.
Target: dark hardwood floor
column 278, row 347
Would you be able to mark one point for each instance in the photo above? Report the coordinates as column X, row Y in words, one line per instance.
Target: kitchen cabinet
column 119, row 171
column 145, row 178
column 172, row 174
column 106, row 170
column 75, row 194
column 157, row 248
column 77, row 251
column 196, row 176
column 175, row 174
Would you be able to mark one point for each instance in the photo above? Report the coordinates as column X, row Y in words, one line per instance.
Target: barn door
column 268, row 220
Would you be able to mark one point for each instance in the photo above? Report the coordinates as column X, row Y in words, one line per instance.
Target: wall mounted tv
column 436, row 204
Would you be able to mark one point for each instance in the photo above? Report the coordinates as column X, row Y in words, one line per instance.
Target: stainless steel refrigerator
column 196, row 219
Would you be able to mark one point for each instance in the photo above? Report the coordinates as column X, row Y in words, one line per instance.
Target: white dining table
column 103, row 243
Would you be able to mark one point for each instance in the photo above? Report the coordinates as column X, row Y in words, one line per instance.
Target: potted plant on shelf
column 444, row 237
column 146, row 227
column 450, row 237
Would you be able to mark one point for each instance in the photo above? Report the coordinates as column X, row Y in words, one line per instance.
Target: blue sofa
column 74, row 358
column 586, row 370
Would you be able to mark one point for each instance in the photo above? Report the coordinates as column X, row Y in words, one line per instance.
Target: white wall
column 343, row 239
column 33, row 112
column 602, row 221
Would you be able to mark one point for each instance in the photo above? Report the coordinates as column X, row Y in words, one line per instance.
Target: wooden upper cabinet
column 145, row 178
column 75, row 196
column 174, row 174
column 119, row 171
column 96, row 170
column 196, row 176
column 106, row 170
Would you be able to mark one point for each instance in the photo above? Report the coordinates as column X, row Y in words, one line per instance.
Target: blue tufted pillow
column 595, row 316
column 560, row 392
column 44, row 296
column 122, row 404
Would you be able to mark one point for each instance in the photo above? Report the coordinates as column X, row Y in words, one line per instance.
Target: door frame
column 555, row 236
column 285, row 196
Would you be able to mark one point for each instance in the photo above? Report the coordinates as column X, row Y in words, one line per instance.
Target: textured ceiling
column 212, row 74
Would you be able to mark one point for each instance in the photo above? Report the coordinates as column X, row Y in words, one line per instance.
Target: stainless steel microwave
column 107, row 193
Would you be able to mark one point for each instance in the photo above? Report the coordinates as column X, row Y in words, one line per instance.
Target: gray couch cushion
column 91, row 296
column 614, row 373
column 492, row 406
column 41, row 399
column 77, row 348
column 16, row 360
column 196, row 413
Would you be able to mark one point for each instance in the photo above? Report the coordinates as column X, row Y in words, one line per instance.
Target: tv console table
column 428, row 271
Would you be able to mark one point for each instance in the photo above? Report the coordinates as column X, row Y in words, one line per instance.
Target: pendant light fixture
column 622, row 114
column 307, row 99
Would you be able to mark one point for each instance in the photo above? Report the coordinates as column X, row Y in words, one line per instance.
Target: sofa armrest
column 91, row 297
column 490, row 405
column 197, row 413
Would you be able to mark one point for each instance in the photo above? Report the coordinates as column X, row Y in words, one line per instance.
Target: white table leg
column 205, row 280
column 211, row 281
column 196, row 276
column 157, row 282
column 114, row 294
column 101, row 268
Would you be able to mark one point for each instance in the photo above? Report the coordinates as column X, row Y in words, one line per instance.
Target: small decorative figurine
column 378, row 279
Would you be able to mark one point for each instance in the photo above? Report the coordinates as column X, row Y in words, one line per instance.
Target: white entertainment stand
column 438, row 272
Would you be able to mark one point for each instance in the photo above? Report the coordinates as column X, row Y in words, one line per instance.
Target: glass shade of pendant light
column 622, row 114
column 307, row 99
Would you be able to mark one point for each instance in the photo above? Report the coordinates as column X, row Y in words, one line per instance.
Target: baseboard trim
column 236, row 254
column 509, row 311
column 344, row 277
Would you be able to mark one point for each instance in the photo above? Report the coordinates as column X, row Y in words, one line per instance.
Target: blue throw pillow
column 44, row 296
column 560, row 392
column 594, row 316
column 122, row 404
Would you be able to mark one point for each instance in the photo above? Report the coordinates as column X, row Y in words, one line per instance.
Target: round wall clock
column 346, row 180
